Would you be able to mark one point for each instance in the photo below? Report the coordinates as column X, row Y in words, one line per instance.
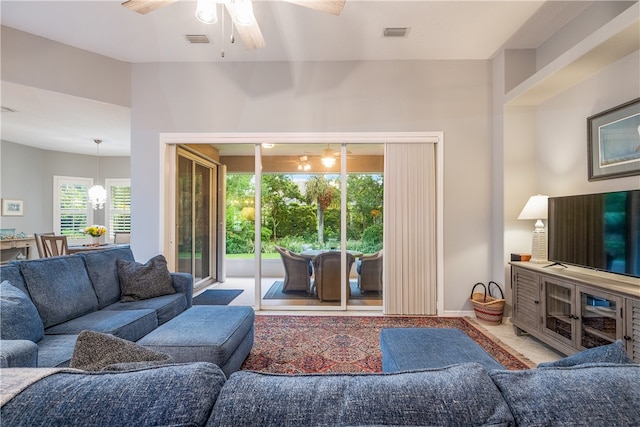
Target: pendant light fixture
column 97, row 193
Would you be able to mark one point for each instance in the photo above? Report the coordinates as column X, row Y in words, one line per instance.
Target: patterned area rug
column 310, row 344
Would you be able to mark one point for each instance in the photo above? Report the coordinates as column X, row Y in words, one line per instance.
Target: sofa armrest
column 18, row 354
column 183, row 283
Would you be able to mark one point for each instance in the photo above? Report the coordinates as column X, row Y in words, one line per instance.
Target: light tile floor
column 528, row 346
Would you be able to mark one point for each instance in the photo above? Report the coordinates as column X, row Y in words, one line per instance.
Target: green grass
column 251, row 256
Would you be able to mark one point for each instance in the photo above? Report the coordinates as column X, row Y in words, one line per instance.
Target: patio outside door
column 196, row 216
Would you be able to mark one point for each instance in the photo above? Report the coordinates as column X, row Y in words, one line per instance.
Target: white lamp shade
column 536, row 208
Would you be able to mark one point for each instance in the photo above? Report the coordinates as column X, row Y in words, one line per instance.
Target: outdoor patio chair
column 369, row 269
column 297, row 271
column 327, row 280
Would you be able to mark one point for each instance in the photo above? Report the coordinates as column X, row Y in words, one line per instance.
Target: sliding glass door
column 196, row 216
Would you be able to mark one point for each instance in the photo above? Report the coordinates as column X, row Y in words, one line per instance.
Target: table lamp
column 536, row 208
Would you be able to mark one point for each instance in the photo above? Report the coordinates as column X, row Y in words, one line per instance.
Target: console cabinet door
column 601, row 320
column 559, row 318
column 526, row 298
column 632, row 331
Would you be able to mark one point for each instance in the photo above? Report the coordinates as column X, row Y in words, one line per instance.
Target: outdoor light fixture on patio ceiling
column 97, row 193
column 328, row 160
column 304, row 165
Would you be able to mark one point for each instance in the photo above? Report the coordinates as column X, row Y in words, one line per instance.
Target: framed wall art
column 12, row 207
column 614, row 142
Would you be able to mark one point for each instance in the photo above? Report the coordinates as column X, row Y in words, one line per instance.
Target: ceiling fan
column 245, row 23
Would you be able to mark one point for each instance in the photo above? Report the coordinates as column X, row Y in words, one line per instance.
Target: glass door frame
column 169, row 141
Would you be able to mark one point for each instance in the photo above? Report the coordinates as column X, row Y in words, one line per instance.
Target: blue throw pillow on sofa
column 18, row 316
column 611, row 353
column 594, row 395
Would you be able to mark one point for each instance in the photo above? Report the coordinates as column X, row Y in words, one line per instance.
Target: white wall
column 449, row 96
column 562, row 130
column 26, row 173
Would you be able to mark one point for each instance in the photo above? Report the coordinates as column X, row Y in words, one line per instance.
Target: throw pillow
column 611, row 353
column 587, row 395
column 144, row 281
column 95, row 351
column 18, row 316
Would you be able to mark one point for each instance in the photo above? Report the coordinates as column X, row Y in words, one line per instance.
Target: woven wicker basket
column 489, row 309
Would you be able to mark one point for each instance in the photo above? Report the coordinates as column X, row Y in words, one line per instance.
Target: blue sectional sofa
column 198, row 394
column 48, row 302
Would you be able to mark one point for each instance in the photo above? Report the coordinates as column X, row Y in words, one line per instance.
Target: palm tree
column 319, row 191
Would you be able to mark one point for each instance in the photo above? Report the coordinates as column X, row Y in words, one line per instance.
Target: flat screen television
column 597, row 231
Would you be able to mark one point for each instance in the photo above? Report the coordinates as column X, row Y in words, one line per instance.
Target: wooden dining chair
column 39, row 242
column 54, row 245
column 121, row 237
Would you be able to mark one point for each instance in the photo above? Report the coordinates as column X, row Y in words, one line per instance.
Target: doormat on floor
column 216, row 296
column 318, row 344
column 275, row 292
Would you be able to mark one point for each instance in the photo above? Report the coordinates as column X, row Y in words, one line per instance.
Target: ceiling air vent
column 197, row 38
column 396, row 31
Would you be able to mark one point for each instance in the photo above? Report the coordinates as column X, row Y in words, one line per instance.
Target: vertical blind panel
column 410, row 229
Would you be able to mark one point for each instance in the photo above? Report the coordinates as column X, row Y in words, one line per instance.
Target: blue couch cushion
column 203, row 333
column 129, row 324
column 19, row 318
column 591, row 395
column 166, row 307
column 60, row 288
column 103, row 272
column 172, row 395
column 12, row 273
column 55, row 350
column 18, row 354
column 611, row 353
column 461, row 395
column 143, row 281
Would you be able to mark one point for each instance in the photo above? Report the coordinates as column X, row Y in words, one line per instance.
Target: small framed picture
column 614, row 142
column 12, row 207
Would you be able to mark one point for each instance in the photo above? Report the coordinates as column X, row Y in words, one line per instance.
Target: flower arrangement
column 95, row 230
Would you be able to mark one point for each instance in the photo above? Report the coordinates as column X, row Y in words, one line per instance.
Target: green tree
column 278, row 191
column 320, row 192
column 365, row 196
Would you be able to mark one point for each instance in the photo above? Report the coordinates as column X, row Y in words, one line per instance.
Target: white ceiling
column 441, row 30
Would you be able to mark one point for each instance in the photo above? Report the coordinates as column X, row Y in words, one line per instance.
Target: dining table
column 312, row 253
column 74, row 249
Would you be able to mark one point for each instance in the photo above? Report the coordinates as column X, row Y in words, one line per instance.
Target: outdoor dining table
column 312, row 253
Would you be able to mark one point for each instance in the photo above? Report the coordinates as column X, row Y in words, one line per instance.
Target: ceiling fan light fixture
column 328, row 160
column 207, row 11
column 304, row 165
column 243, row 12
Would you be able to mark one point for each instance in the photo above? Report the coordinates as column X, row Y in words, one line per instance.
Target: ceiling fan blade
column 251, row 35
column 333, row 7
column 146, row 6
